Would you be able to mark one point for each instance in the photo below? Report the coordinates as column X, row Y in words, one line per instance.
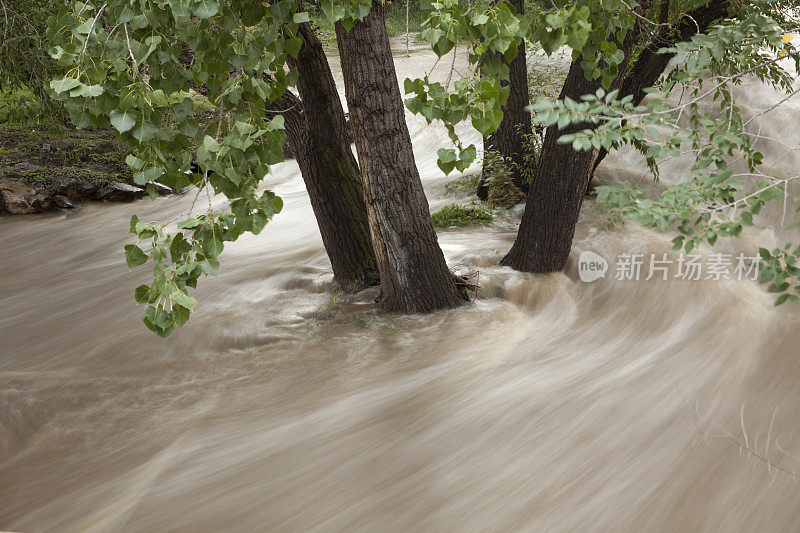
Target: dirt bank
column 42, row 170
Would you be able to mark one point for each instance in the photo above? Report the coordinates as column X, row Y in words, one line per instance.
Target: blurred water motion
column 547, row 405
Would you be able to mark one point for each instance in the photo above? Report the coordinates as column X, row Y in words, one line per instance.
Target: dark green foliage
column 25, row 66
column 24, row 62
column 500, row 187
column 501, row 191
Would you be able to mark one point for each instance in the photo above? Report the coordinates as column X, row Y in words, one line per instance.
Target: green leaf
column 141, row 294
column 209, row 267
column 88, row 91
column 782, row 299
column 212, row 244
column 122, row 120
column 205, row 9
column 446, row 160
column 270, row 204
column 277, row 123
column 301, row 17
column 181, row 298
column 446, row 155
column 466, row 157
column 190, row 223
column 180, row 315
column 125, row 16
column 179, row 247
column 158, row 321
column 210, row 144
column 293, row 46
column 244, row 128
column 64, row 84
column 134, row 256
column 180, row 10
column 148, row 174
column 145, row 132
column 134, row 162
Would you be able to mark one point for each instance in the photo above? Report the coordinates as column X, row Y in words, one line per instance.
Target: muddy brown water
column 549, row 404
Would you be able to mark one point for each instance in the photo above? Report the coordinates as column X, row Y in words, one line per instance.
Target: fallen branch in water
column 464, row 280
column 745, row 446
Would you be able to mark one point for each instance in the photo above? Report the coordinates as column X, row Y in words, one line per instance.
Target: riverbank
column 43, row 170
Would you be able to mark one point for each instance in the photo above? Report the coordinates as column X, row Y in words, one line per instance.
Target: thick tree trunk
column 414, row 275
column 508, row 139
column 554, row 200
column 562, row 175
column 317, row 134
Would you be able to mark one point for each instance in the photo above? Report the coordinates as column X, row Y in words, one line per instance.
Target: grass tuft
column 461, row 215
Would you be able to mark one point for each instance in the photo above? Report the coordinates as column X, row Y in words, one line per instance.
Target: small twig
column 696, row 25
column 280, row 111
column 743, row 446
column 91, row 28
column 643, row 18
column 408, row 53
column 778, row 103
column 452, row 69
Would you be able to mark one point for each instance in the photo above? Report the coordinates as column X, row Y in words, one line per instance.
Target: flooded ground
column 549, row 404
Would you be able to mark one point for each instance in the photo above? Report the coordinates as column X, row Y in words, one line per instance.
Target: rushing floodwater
column 548, row 404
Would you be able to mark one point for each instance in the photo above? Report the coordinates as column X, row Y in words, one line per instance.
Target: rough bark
column 562, row 175
column 414, row 275
column 508, row 139
column 554, row 199
column 316, row 133
column 561, row 179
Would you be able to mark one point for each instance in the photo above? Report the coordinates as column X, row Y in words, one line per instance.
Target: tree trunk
column 316, row 132
column 554, row 199
column 562, row 175
column 414, row 275
column 508, row 139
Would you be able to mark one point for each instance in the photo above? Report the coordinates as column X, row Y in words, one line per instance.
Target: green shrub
column 23, row 107
column 461, row 215
column 502, row 191
column 396, row 18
